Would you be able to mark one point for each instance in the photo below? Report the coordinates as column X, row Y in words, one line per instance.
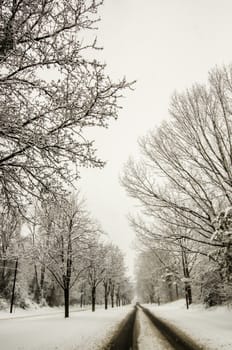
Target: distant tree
column 181, row 253
column 114, row 272
column 96, row 258
column 158, row 275
column 127, row 291
column 66, row 233
column 147, row 278
column 38, row 272
column 107, row 269
column 51, row 90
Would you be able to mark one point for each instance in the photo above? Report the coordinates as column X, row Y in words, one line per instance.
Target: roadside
column 211, row 327
column 83, row 330
column 38, row 312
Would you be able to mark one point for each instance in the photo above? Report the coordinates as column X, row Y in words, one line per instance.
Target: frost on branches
column 51, row 90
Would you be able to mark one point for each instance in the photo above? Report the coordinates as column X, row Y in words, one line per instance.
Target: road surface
column 142, row 330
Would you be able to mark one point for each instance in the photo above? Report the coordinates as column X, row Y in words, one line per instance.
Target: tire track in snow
column 123, row 337
column 177, row 339
column 146, row 336
column 142, row 330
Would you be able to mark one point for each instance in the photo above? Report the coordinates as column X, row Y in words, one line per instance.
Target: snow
column 149, row 338
column 37, row 311
column 210, row 327
column 83, row 330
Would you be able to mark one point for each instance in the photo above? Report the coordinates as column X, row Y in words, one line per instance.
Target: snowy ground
column 84, row 330
column 44, row 329
column 36, row 310
column 210, row 327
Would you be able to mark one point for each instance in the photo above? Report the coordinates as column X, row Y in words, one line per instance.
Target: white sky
column 165, row 45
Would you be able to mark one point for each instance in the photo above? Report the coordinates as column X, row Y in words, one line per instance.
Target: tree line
column 52, row 90
column 183, row 185
column 62, row 250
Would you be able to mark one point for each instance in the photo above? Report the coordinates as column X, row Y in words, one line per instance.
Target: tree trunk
column 188, row 289
column 177, row 291
column 13, row 288
column 93, row 298
column 170, row 291
column 66, row 301
column 189, row 292
column 4, row 277
column 67, row 277
column 106, row 302
column 106, row 295
column 36, row 287
column 186, row 298
column 117, row 300
column 42, row 276
column 81, row 300
column 112, row 295
column 3, row 268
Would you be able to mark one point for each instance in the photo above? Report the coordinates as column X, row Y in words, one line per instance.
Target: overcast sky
column 166, row 45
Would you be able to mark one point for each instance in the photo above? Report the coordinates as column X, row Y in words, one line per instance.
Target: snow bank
column 210, row 327
column 83, row 330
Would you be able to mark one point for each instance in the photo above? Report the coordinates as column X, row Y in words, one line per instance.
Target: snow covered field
column 84, row 330
column 210, row 327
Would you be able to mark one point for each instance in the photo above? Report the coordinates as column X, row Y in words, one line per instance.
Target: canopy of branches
column 51, row 89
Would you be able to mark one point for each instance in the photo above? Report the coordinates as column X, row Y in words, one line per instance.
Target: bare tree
column 96, row 270
column 114, row 272
column 148, row 273
column 184, row 178
column 190, row 153
column 66, row 232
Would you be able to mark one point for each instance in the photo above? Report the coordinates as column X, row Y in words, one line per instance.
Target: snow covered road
column 112, row 329
column 142, row 331
column 148, row 337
